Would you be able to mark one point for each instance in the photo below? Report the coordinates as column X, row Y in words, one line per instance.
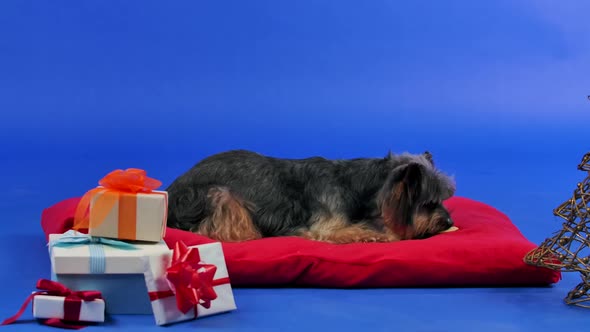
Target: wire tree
column 568, row 249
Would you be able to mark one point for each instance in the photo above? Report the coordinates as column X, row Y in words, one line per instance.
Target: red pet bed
column 487, row 250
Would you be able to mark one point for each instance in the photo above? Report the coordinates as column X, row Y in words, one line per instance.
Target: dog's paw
column 351, row 235
column 379, row 238
column 368, row 237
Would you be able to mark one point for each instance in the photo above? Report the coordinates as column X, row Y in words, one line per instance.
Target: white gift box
column 134, row 216
column 117, row 273
column 47, row 306
column 165, row 309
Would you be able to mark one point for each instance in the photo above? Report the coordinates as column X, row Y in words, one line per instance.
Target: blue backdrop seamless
column 495, row 89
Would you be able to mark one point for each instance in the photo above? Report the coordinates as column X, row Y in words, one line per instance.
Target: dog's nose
column 450, row 222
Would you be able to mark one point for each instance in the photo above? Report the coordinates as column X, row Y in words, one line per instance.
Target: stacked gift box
column 116, row 249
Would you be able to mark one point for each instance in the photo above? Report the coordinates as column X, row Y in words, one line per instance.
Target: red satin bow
column 191, row 280
column 72, row 303
column 131, row 180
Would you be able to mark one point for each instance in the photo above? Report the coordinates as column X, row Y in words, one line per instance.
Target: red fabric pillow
column 487, row 250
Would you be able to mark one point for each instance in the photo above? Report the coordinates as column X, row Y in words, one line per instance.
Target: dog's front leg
column 337, row 229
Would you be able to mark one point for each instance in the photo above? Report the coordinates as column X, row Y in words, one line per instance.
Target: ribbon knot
column 131, row 180
column 53, row 288
column 72, row 303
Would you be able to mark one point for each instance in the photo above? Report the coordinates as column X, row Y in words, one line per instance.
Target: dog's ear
column 407, row 184
column 399, row 195
column 428, row 157
column 389, row 155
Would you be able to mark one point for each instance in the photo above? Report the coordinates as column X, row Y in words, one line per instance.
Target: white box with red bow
column 189, row 282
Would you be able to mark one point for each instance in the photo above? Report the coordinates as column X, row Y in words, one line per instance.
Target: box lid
column 76, row 258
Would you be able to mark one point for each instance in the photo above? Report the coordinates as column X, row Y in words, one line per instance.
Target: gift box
column 58, row 306
column 125, row 206
column 115, row 268
column 189, row 283
column 129, row 216
column 48, row 306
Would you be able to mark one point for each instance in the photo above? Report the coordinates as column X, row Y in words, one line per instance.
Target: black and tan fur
column 242, row 195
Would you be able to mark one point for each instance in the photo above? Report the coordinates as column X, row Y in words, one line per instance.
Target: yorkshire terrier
column 241, row 195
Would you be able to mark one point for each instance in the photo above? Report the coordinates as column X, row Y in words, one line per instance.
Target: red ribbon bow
column 72, row 303
column 192, row 280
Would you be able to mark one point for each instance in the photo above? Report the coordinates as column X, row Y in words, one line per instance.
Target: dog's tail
column 214, row 212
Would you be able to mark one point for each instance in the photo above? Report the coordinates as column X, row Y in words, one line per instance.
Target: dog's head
column 411, row 199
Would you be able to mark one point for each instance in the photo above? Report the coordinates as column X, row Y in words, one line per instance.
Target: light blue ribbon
column 95, row 245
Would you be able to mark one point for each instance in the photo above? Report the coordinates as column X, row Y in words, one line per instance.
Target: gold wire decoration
column 569, row 249
column 581, row 293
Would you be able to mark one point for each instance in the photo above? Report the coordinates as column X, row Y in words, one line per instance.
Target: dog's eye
column 431, row 206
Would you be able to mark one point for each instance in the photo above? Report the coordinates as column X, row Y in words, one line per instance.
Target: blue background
column 495, row 89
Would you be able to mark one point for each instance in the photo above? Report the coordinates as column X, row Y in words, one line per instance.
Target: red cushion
column 487, row 250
